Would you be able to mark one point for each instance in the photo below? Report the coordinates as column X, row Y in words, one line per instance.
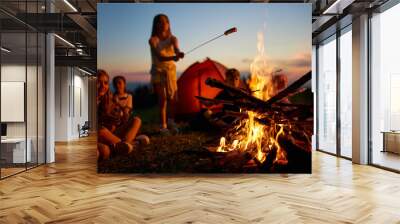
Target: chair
column 84, row 130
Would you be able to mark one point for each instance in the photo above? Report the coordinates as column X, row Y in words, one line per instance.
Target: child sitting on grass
column 117, row 131
column 122, row 97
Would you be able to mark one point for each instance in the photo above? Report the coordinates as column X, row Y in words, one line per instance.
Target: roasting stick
column 226, row 33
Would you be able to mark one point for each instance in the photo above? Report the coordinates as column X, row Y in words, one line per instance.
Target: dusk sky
column 124, row 30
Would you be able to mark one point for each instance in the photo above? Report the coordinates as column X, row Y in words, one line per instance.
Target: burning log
column 240, row 93
column 306, row 106
column 290, row 89
column 256, row 103
column 211, row 102
column 289, row 112
column 245, row 105
column 267, row 130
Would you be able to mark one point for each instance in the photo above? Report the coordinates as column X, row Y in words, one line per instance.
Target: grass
column 148, row 115
column 187, row 151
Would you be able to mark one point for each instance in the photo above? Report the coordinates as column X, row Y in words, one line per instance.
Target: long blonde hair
column 156, row 21
column 104, row 101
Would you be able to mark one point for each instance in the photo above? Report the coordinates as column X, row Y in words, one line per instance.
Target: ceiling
column 76, row 22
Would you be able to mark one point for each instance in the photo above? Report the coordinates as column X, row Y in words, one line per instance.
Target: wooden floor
column 10, row 171
column 70, row 191
column 387, row 159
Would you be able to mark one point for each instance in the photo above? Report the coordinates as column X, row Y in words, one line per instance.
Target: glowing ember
column 221, row 145
column 258, row 138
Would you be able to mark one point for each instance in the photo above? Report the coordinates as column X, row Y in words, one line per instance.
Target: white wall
column 33, row 127
column 80, row 110
column 61, row 105
column 71, row 102
column 92, row 90
column 12, row 73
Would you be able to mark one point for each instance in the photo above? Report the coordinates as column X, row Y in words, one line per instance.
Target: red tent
column 192, row 83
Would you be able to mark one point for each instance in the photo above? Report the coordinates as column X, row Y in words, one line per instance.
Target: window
column 385, row 89
column 22, row 88
column 345, row 92
column 327, row 95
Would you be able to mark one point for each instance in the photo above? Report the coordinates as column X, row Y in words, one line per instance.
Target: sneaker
column 175, row 130
column 123, row 148
column 173, row 126
column 143, row 139
column 165, row 132
column 171, row 123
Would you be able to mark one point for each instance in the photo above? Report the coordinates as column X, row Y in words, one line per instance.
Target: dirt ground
column 187, row 152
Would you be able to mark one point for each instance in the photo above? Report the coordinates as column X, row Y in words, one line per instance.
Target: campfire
column 268, row 125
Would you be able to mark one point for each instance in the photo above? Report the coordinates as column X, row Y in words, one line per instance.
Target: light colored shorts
column 165, row 76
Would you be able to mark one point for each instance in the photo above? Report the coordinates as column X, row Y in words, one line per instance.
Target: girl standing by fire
column 164, row 53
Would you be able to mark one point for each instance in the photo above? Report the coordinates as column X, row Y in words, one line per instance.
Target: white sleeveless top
column 124, row 101
column 166, row 49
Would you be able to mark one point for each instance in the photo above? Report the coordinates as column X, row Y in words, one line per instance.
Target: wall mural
column 204, row 88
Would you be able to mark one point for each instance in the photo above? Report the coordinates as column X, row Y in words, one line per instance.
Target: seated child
column 221, row 119
column 117, row 132
column 121, row 96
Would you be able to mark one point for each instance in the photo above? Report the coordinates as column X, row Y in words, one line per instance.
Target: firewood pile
column 268, row 136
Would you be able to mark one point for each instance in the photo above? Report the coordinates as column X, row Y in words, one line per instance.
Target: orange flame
column 257, row 136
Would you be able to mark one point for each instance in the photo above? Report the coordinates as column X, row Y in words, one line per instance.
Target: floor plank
column 70, row 191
